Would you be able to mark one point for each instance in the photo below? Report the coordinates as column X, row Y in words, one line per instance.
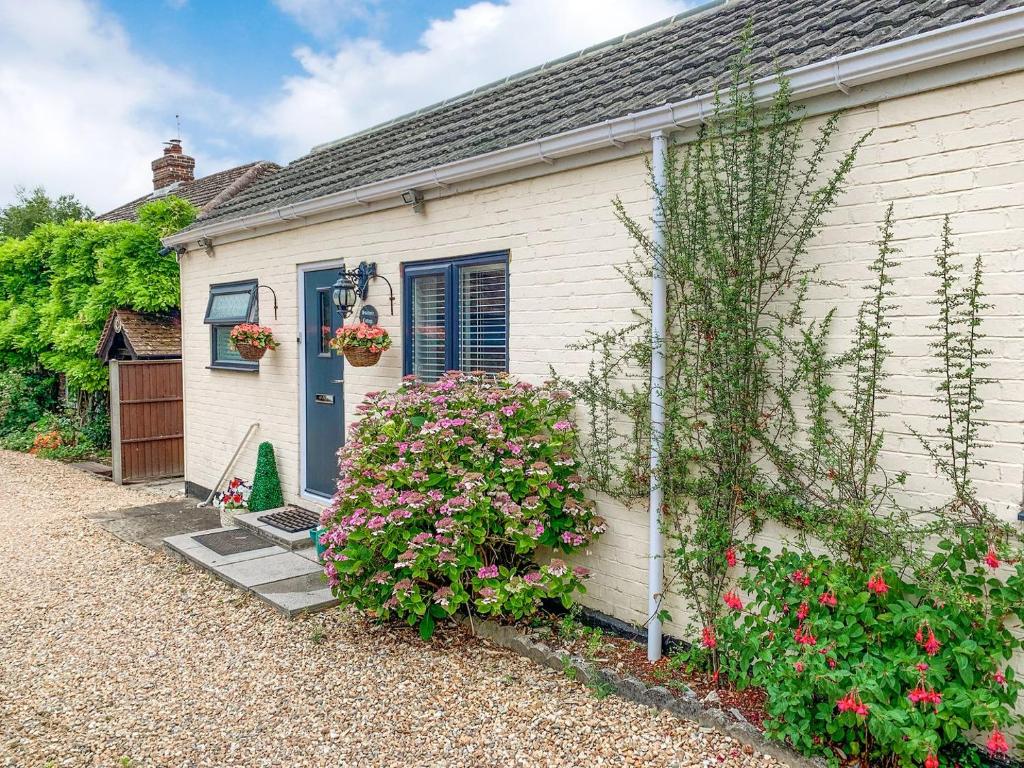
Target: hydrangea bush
column 447, row 491
column 875, row 666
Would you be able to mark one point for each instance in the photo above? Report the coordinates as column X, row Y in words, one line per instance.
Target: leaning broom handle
column 231, row 463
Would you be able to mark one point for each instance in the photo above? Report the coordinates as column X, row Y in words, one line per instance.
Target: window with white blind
column 456, row 316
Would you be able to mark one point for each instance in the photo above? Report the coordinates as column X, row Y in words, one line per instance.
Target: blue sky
column 90, row 88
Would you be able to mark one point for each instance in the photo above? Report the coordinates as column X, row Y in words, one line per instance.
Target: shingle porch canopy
column 132, row 335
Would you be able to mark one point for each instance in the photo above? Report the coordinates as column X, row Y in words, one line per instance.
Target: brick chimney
column 173, row 166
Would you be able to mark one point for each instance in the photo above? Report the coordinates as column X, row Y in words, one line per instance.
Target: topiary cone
column 266, row 485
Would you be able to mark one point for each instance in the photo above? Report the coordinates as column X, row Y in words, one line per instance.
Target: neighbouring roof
column 204, row 193
column 679, row 58
column 144, row 335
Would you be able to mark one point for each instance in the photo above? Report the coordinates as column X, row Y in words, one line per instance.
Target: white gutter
column 966, row 40
column 656, row 549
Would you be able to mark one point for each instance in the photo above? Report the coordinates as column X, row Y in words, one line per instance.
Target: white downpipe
column 656, row 554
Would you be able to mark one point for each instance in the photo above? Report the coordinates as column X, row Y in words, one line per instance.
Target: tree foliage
column 58, row 284
column 31, row 209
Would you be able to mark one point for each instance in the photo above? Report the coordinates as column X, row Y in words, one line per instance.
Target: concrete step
column 292, row 541
column 290, row 581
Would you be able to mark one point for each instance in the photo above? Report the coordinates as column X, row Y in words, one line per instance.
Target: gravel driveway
column 113, row 655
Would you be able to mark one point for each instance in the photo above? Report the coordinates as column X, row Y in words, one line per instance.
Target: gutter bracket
column 612, row 139
column 542, row 157
column 438, row 181
column 355, row 196
column 838, row 80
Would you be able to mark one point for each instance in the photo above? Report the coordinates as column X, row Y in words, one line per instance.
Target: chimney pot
column 173, row 166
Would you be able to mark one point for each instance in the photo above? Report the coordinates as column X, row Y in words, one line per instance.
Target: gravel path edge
column 686, row 707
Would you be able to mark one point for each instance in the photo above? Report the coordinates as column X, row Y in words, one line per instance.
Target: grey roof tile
column 671, row 61
column 202, row 192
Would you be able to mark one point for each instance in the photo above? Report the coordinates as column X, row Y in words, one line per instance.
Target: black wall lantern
column 344, row 294
column 353, row 285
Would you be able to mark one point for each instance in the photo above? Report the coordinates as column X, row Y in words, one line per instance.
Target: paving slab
column 149, row 524
column 290, row 582
column 300, row 594
column 263, row 570
column 186, row 546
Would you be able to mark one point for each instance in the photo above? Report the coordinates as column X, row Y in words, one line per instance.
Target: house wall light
column 414, row 198
column 344, row 294
column 353, row 285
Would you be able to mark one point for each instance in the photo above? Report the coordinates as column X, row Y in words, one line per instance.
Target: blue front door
column 325, row 407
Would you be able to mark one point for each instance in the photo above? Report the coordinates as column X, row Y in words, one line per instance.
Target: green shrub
column 447, row 492
column 59, row 436
column 877, row 666
column 24, row 398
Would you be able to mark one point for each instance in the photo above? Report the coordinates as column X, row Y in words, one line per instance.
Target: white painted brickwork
column 959, row 150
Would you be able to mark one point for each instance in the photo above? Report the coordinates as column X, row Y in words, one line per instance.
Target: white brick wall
column 959, row 150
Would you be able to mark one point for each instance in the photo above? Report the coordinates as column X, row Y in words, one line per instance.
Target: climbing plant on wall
column 741, row 202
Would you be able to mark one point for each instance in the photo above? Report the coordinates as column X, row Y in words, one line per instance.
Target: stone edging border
column 685, row 707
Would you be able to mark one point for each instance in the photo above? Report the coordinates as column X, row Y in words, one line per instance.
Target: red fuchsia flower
column 999, row 677
column 997, row 743
column 803, row 637
column 877, row 584
column 931, row 645
column 922, row 667
column 851, row 703
column 992, row 559
column 799, row 667
column 931, row 762
column 708, row 639
column 730, row 557
column 800, row 578
column 828, row 599
column 802, row 611
column 732, row 600
column 921, row 695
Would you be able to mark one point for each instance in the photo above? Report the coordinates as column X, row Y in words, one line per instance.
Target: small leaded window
column 229, row 305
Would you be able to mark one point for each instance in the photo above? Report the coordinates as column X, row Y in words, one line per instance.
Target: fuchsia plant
column 447, row 492
column 875, row 666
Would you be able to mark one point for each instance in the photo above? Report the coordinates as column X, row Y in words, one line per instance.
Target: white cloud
column 324, row 18
column 82, row 111
column 361, row 82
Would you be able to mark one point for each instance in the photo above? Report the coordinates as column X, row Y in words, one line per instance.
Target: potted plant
column 361, row 343
column 252, row 341
column 233, row 500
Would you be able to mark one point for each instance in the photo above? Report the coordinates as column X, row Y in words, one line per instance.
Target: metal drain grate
column 292, row 519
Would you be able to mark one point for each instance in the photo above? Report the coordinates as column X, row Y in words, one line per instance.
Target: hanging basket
column 361, row 357
column 250, row 352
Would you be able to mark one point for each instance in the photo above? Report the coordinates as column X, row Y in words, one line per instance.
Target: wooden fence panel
column 147, row 419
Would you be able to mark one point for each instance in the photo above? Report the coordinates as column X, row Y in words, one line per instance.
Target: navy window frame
column 450, row 269
column 252, row 315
